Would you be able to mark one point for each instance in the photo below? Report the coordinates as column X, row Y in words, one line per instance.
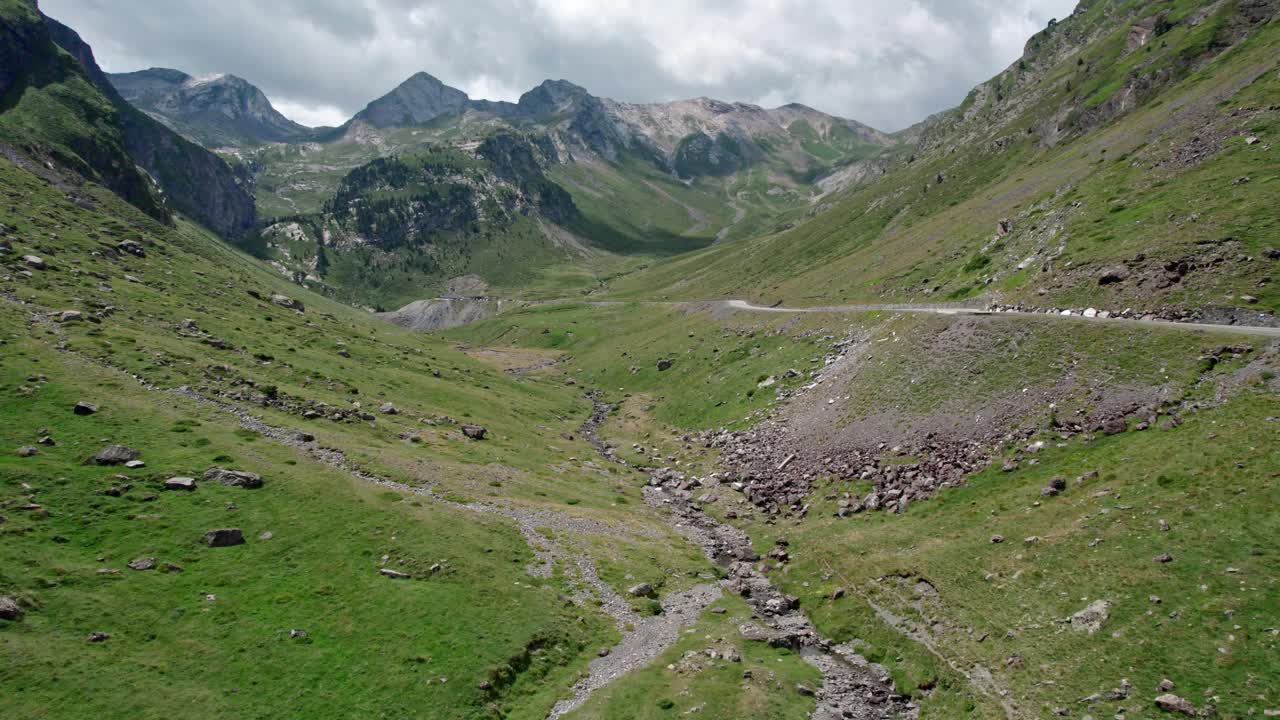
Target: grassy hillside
column 430, row 641
column 966, row 624
column 1169, row 182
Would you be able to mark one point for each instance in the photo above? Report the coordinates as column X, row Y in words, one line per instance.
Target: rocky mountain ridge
column 194, row 181
column 213, row 110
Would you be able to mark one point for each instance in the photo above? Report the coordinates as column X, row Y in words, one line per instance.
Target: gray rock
column 67, row 316
column 475, row 432
column 394, row 574
column 1163, row 558
column 180, row 483
column 9, row 609
column 642, row 590
column 97, row 637
column 84, row 408
column 34, row 261
column 115, row 455
column 1113, row 274
column 1090, row 619
column 1174, row 704
column 28, row 451
column 224, row 537
column 666, row 364
column 142, row 564
column 233, row 478
column 388, row 409
column 285, row 301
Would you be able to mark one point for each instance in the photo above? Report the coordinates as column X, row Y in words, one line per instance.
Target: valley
column 577, row 408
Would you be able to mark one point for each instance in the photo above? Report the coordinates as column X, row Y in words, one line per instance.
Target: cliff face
column 196, row 182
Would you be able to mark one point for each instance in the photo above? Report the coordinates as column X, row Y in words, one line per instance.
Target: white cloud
column 311, row 115
column 886, row 62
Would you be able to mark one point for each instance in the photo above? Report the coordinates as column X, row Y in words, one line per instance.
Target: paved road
column 948, row 310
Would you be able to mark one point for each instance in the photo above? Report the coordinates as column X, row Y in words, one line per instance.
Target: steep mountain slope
column 213, row 111
column 400, row 227
column 1123, row 161
column 61, row 107
column 196, row 182
column 48, row 108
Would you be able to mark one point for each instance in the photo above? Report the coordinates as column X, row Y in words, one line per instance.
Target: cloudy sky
column 887, row 63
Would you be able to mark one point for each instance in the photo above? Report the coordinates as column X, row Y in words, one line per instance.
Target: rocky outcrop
column 196, row 182
column 429, row 315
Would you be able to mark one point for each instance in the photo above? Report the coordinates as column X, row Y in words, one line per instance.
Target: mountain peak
column 419, row 99
column 551, row 97
column 213, row 109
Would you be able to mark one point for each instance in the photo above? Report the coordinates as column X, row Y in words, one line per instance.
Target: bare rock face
column 224, row 537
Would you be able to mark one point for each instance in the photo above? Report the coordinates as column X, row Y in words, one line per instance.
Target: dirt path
column 739, row 214
column 957, row 310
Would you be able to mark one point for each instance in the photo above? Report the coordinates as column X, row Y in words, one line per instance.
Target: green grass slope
column 476, row 637
column 988, row 634
column 1097, row 153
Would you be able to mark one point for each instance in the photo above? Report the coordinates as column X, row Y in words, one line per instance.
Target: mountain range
column 691, row 409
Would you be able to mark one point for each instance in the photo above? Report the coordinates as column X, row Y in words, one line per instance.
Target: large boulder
column 1090, row 619
column 475, row 432
column 642, row 590
column 115, row 455
column 233, row 478
column 1174, row 704
column 9, row 609
column 224, row 537
column 285, row 301
column 1113, row 274
column 180, row 483
column 84, row 408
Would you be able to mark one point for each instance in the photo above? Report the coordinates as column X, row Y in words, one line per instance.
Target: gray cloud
column 887, row 63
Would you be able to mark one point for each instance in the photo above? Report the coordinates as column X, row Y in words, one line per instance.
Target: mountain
column 691, row 138
column 53, row 113
column 223, row 494
column 213, row 110
column 195, row 181
column 407, row 222
column 1121, row 163
column 418, row 100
